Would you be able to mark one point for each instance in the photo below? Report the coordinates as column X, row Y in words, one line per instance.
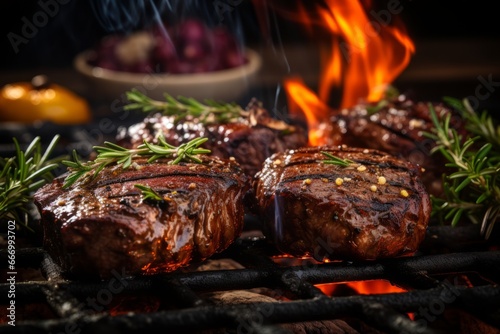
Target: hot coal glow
column 366, row 51
column 360, row 287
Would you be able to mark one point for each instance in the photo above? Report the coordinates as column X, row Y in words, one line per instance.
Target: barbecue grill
column 437, row 283
column 450, row 285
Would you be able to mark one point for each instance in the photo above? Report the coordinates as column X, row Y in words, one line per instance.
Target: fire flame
column 372, row 287
column 362, row 287
column 367, row 51
column 303, row 99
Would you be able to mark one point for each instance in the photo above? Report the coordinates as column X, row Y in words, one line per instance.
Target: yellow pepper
column 25, row 102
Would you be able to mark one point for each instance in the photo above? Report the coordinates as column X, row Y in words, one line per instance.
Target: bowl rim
column 249, row 68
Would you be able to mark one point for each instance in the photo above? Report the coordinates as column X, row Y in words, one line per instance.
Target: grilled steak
column 396, row 128
column 375, row 207
column 105, row 224
column 250, row 140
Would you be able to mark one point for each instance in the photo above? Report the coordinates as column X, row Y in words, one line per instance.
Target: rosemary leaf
column 463, row 184
column 334, row 160
column 471, row 188
column 22, row 175
column 456, row 217
column 148, row 193
column 185, row 107
column 111, row 153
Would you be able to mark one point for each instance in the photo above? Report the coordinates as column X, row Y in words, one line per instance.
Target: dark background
column 76, row 26
column 456, row 41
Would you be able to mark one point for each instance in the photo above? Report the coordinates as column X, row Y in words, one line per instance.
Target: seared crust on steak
column 102, row 225
column 329, row 211
column 397, row 128
column 250, row 140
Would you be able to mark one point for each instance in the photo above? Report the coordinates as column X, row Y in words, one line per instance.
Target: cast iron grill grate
column 427, row 277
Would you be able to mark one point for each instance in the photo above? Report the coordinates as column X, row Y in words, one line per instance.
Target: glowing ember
column 368, row 49
column 374, row 287
column 124, row 304
column 362, row 287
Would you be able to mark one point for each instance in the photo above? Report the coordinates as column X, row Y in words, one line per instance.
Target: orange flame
column 367, row 51
column 315, row 111
column 362, row 287
column 374, row 287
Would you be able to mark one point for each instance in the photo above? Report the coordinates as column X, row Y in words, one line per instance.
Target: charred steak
column 396, row 127
column 106, row 224
column 375, row 207
column 250, row 139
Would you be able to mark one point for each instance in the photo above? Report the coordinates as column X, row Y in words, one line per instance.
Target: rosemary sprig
column 148, row 193
column 22, row 175
column 473, row 188
column 184, row 107
column 480, row 124
column 112, row 153
column 334, row 160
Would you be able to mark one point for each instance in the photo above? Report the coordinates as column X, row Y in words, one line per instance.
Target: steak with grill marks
column 105, row 224
column 376, row 207
column 250, row 139
column 396, row 126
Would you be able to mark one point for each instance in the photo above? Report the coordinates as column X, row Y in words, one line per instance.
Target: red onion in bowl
column 192, row 30
column 188, row 47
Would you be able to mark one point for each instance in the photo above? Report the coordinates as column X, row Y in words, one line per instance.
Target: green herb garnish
column 473, row 188
column 115, row 154
column 479, row 124
column 390, row 94
column 148, row 193
column 184, row 108
column 376, row 108
column 22, row 175
column 333, row 160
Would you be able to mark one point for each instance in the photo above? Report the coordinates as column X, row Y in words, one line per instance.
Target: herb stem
column 184, row 107
column 23, row 174
column 473, row 188
column 111, row 153
column 334, row 160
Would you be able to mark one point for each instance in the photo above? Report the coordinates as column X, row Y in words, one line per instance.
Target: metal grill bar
column 63, row 303
column 183, row 295
column 288, row 280
column 302, row 310
column 50, row 269
column 389, row 320
column 383, row 312
column 223, row 280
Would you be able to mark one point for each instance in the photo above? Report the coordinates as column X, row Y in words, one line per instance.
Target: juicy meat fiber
column 397, row 128
column 93, row 228
column 329, row 211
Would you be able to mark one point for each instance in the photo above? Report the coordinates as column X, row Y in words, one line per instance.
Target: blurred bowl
column 224, row 85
